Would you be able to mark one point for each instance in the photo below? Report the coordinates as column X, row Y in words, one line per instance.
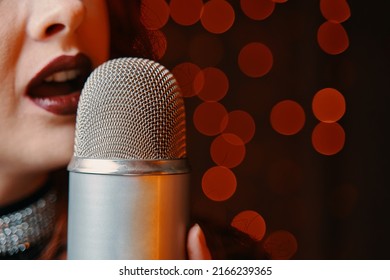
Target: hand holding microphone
column 128, row 185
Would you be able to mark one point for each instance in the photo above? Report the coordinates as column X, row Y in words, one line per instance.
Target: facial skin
column 39, row 39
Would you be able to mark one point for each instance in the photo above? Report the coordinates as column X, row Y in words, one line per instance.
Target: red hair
column 128, row 35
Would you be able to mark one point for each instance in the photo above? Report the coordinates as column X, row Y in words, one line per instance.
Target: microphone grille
column 130, row 108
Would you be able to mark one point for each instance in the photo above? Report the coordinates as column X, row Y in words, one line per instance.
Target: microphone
column 129, row 175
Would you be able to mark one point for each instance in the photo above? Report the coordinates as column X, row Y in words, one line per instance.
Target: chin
column 62, row 161
column 62, row 156
column 57, row 156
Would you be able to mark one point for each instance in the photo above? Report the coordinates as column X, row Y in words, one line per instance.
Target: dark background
column 338, row 207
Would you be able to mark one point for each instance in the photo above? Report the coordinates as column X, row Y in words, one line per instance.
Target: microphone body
column 128, row 215
column 128, row 188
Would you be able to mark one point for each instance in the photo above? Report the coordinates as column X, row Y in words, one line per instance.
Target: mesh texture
column 130, row 108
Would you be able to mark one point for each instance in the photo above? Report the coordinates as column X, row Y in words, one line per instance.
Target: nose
column 50, row 18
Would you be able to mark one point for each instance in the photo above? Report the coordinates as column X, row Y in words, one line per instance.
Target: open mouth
column 56, row 88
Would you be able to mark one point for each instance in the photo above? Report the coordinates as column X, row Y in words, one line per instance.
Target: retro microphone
column 128, row 178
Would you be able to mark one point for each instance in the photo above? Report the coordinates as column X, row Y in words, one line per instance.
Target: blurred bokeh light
column 332, row 38
column 219, row 183
column 251, row 223
column 218, row 16
column 287, row 117
column 328, row 138
column 215, row 84
column 186, row 12
column 227, row 150
column 336, row 11
column 255, row 59
column 328, row 105
column 280, row 245
column 209, row 118
column 257, row 9
column 155, row 14
column 239, row 123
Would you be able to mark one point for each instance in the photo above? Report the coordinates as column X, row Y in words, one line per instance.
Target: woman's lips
column 59, row 105
column 56, row 88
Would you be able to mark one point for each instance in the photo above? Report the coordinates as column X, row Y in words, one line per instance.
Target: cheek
column 11, row 43
column 94, row 32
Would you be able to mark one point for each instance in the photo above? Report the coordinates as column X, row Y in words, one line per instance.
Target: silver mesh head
column 130, row 108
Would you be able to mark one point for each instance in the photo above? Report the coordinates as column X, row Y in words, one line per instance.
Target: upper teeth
column 63, row 76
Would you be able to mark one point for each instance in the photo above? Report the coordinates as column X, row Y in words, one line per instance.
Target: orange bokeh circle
column 218, row 16
column 186, row 12
column 280, row 245
column 251, row 223
column 154, row 14
column 227, row 150
column 219, row 183
column 255, row 60
column 287, row 117
column 336, row 11
column 328, row 105
column 332, row 38
column 328, row 138
column 215, row 84
column 185, row 74
column 208, row 118
column 240, row 123
column 257, row 9
column 160, row 43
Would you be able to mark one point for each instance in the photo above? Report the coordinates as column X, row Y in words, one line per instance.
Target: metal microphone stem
column 126, row 213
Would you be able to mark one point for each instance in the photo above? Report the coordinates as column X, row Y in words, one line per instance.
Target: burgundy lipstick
column 57, row 87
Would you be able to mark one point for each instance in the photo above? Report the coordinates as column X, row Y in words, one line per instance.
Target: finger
column 196, row 244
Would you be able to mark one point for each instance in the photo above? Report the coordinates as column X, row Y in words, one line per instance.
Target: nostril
column 54, row 28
